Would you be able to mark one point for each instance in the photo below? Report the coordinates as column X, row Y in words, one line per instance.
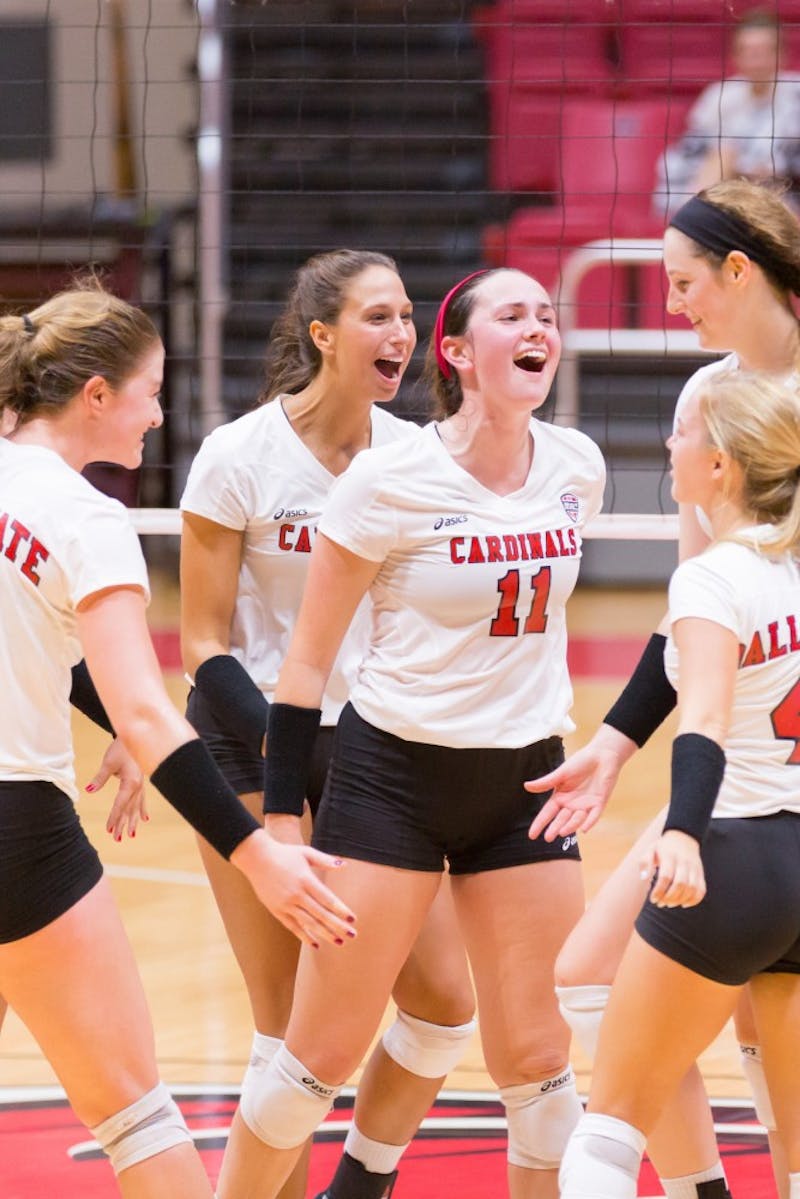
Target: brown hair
column 318, row 293
column 761, row 208
column 47, row 355
column 447, row 394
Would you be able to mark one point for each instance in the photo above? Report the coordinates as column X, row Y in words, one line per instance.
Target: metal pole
column 211, row 179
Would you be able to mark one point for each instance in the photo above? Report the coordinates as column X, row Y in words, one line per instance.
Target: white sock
column 375, row 1156
column 686, row 1187
column 602, row 1159
column 794, row 1186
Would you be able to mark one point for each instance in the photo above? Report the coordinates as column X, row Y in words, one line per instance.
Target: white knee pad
column 429, row 1050
column 583, row 1009
column 541, row 1117
column 284, row 1102
column 149, row 1126
column 262, row 1051
column 754, row 1073
column 602, row 1159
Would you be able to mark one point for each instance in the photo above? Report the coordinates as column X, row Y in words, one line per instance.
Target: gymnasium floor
column 198, row 1004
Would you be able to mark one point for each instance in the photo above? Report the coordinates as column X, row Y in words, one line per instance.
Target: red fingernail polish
column 90, row 786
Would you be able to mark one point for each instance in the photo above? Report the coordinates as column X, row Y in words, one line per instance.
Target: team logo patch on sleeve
column 571, row 505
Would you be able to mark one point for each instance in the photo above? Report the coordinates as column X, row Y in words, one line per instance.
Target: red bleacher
column 584, row 95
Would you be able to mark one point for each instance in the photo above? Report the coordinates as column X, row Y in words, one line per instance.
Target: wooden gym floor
column 199, row 1008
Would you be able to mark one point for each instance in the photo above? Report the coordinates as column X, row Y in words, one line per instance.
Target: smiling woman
column 251, row 508
column 732, row 258
column 80, row 377
column 468, row 540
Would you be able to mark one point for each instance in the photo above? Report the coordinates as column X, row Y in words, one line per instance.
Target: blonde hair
column 755, row 420
column 47, row 355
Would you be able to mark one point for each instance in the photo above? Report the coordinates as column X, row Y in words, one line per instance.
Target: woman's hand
column 581, row 786
column 285, row 828
column 284, row 879
column 129, row 806
column 681, row 880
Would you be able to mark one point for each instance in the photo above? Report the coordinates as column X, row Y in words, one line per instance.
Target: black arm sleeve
column 291, row 735
column 235, row 701
column 84, row 697
column 189, row 779
column 698, row 767
column 647, row 698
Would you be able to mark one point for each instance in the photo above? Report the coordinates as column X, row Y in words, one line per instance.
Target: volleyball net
column 198, row 153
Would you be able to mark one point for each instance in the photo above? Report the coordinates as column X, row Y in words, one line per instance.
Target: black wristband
column 291, row 733
column 698, row 765
column 648, row 696
column 190, row 780
column 235, row 701
column 84, row 697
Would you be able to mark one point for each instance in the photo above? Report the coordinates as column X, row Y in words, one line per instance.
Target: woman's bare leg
column 98, row 1038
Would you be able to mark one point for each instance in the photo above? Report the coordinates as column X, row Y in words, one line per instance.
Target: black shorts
column 407, row 804
column 749, row 919
column 47, row 863
column 243, row 769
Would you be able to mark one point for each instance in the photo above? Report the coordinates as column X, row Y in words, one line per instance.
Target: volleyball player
column 250, row 510
column 732, row 258
column 724, row 907
column 82, row 374
column 468, row 539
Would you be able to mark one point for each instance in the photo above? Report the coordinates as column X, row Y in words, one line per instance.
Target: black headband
column 721, row 232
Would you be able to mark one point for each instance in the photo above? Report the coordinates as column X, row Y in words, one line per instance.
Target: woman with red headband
column 468, row 540
column 337, row 354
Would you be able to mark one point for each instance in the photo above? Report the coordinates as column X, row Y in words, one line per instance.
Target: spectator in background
column 745, row 125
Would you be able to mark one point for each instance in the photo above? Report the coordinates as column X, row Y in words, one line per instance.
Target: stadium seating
column 608, row 156
column 537, row 52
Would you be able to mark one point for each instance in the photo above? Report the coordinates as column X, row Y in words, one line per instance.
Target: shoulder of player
column 252, row 430
column 386, row 427
column 570, row 441
column 728, row 561
column 703, row 373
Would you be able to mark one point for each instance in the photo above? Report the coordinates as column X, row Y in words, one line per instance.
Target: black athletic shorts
column 47, row 863
column 242, row 768
column 749, row 919
column 407, row 804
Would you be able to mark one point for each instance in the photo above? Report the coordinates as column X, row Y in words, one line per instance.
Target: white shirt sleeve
column 357, row 515
column 215, row 488
column 103, row 550
column 699, row 589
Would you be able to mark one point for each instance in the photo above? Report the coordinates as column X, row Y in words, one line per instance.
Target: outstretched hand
column 581, row 786
column 129, row 805
column 285, row 879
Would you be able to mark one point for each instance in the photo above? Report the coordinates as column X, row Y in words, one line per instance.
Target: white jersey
column 701, row 376
column 758, row 599
column 729, row 363
column 257, row 476
column 61, row 540
column 469, row 642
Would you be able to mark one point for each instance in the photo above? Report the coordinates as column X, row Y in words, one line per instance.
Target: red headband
column 438, row 328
